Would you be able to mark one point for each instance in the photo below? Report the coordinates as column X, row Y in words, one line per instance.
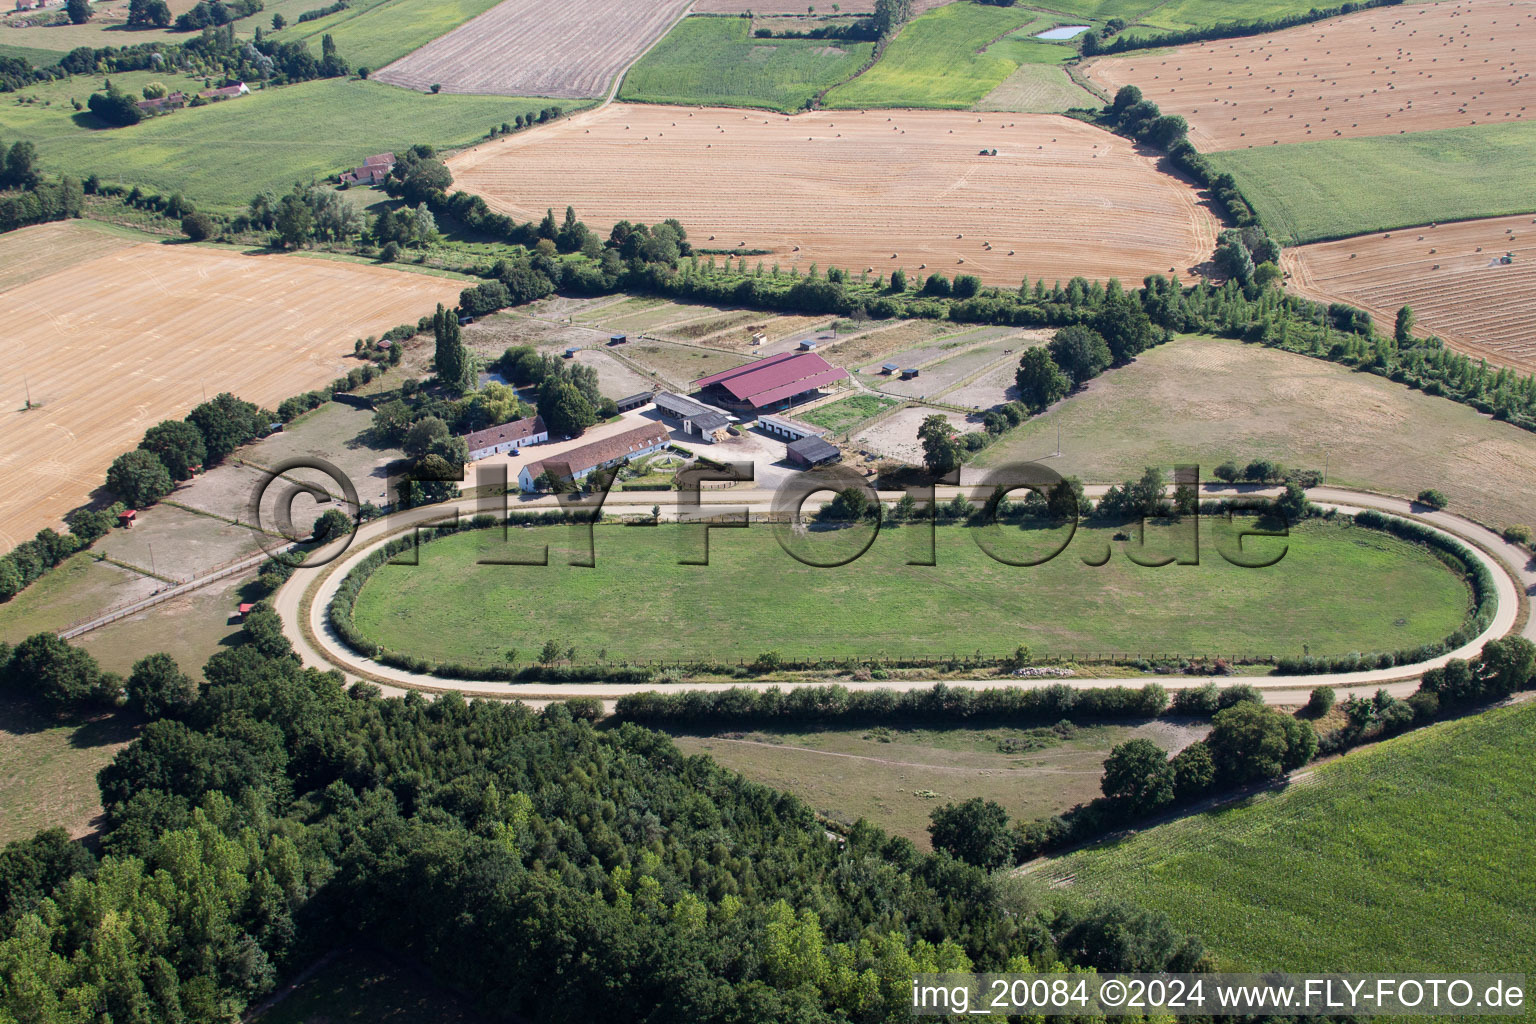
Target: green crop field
column 718, row 61
column 1397, row 858
column 221, row 155
column 951, row 57
column 842, row 414
column 1038, row 89
column 1182, row 14
column 1338, row 589
column 371, row 36
column 1311, row 191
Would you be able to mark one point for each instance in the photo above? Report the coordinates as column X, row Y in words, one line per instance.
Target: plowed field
column 564, row 48
column 879, row 190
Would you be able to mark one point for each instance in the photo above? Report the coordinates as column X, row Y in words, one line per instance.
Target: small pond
column 1062, row 32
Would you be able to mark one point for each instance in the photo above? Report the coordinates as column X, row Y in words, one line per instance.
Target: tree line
column 27, row 197
column 1093, row 41
column 527, row 859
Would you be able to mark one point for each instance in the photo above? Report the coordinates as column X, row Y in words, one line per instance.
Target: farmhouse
column 708, row 424
column 769, row 383
column 577, row 463
column 373, row 172
column 226, row 92
column 790, row 430
column 812, row 451
column 505, row 438
column 174, row 101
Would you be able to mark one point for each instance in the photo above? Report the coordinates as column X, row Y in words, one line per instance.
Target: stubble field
column 877, row 190
column 1449, row 274
column 115, row 344
column 563, row 48
column 1380, row 72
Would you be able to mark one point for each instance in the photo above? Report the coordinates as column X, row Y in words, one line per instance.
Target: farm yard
column 1254, row 402
column 560, row 48
column 1451, row 275
column 719, row 61
column 838, row 416
column 804, row 188
column 1397, row 832
column 104, row 360
column 1379, row 72
column 895, row 437
column 1315, row 191
column 450, row 608
column 951, row 57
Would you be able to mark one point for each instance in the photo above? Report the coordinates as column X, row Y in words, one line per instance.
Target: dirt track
column 1379, row 72
column 877, row 190
column 1451, row 275
column 113, row 345
column 303, row 601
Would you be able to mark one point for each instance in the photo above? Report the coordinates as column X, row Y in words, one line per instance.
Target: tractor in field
column 1507, row 259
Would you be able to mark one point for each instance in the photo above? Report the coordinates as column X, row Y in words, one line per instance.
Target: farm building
column 889, row 368
column 507, row 437
column 373, row 171
column 175, row 101
column 790, row 430
column 909, row 373
column 634, row 401
column 770, row 383
column 708, row 424
column 812, row 451
column 570, row 353
column 619, row 339
column 577, row 463
column 226, row 92
column 808, row 345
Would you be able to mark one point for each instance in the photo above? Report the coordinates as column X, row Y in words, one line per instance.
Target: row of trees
column 172, row 450
column 26, row 197
column 279, row 813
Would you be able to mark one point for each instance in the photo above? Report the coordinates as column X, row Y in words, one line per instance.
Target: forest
column 548, row 868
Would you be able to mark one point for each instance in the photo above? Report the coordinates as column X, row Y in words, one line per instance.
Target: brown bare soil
column 113, row 345
column 1380, row 72
column 862, row 190
column 1449, row 274
column 562, row 48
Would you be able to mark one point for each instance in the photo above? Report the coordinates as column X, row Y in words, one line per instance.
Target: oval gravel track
column 303, row 600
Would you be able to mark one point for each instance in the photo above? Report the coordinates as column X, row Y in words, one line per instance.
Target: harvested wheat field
column 871, row 190
column 560, row 48
column 114, row 344
column 768, row 7
column 1451, row 275
column 1381, row 72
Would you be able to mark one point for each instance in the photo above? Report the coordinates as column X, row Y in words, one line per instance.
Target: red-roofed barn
column 770, row 383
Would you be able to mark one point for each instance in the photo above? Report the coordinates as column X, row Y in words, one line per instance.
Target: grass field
column 951, row 58
column 838, row 416
column 1397, row 858
column 48, row 769
column 896, row 776
column 1254, row 402
column 717, row 61
column 377, row 34
column 639, row 602
column 1037, row 89
column 221, row 155
column 1314, row 191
